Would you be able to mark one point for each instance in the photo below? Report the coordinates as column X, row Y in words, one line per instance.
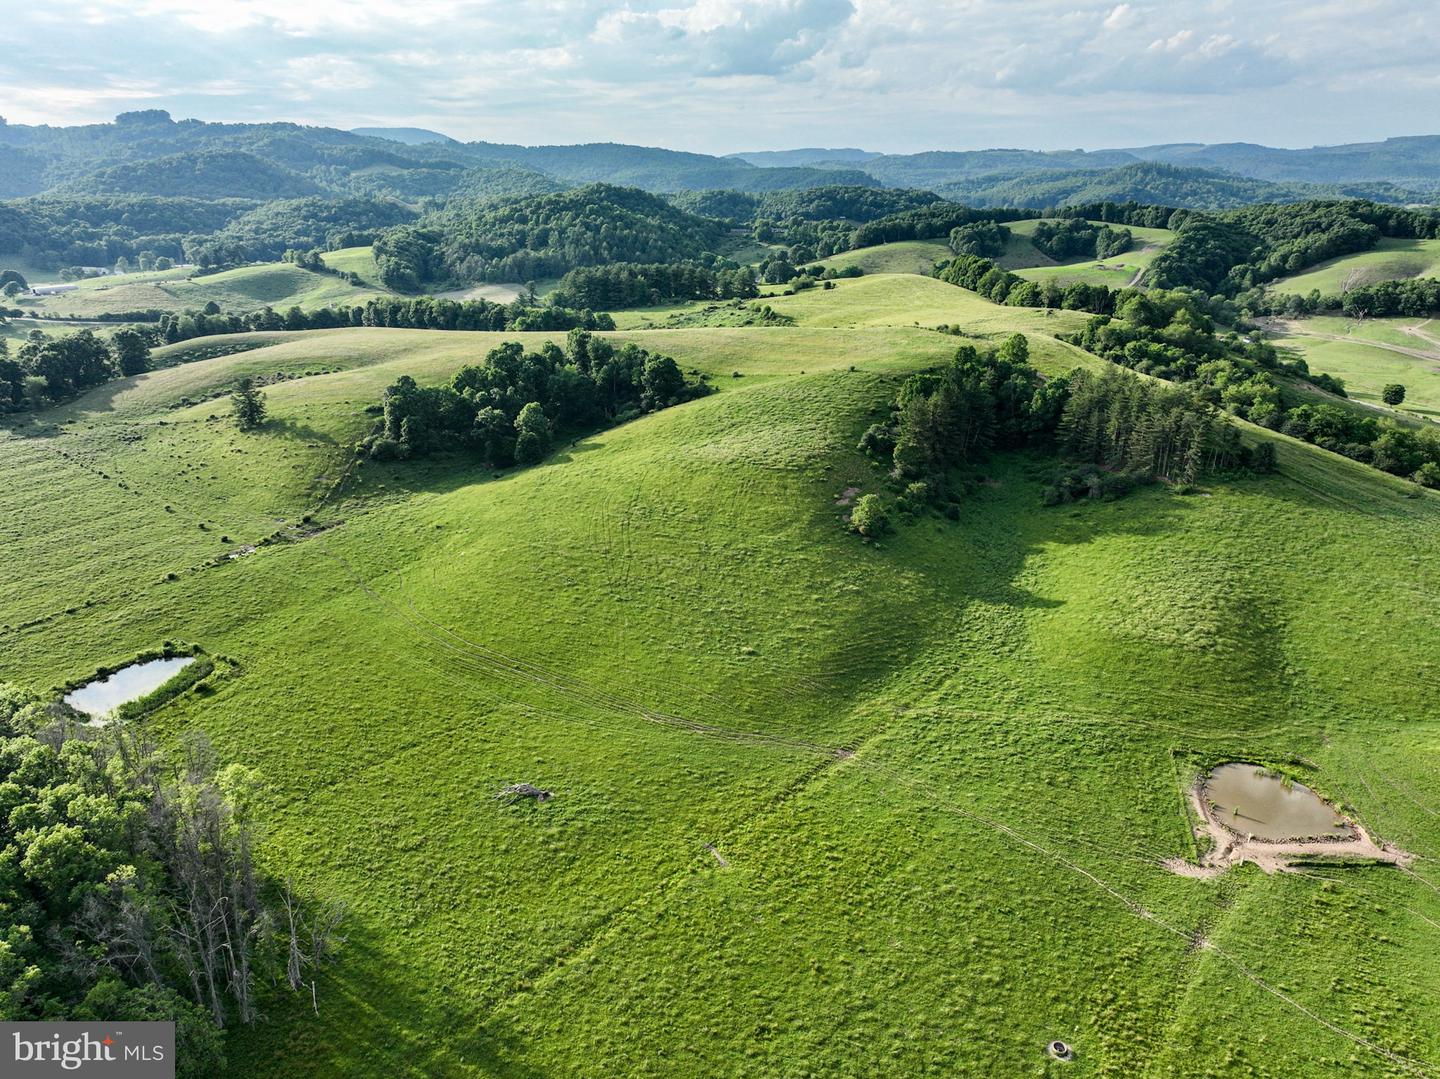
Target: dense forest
column 544, row 236
column 628, row 284
column 1241, row 250
column 1158, row 184
column 55, row 232
column 267, row 232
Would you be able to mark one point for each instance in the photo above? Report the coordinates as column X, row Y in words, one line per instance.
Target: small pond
column 1249, row 800
column 102, row 696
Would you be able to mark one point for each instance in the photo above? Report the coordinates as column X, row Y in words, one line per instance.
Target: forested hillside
column 545, row 236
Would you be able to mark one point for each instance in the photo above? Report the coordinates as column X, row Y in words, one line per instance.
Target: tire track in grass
column 488, row 660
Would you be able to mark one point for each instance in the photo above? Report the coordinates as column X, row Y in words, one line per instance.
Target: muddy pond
column 99, row 698
column 1251, row 801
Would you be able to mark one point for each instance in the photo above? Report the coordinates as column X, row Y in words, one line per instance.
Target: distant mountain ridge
column 410, row 136
column 150, row 153
column 1157, row 184
column 295, row 160
column 767, row 159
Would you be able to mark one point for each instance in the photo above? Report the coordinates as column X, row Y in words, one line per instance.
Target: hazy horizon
column 728, row 76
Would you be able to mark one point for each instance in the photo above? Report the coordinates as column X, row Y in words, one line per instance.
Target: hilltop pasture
column 1121, row 271
column 247, row 288
column 892, row 808
column 1389, row 260
column 1370, row 354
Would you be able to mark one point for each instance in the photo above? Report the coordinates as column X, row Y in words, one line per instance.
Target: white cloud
column 728, row 74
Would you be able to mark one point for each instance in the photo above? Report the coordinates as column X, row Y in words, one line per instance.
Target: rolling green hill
column 247, row 288
column 1391, row 260
column 903, row 256
column 886, row 809
column 1121, row 271
column 1369, row 355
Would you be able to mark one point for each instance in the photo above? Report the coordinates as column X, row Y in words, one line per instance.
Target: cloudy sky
column 727, row 75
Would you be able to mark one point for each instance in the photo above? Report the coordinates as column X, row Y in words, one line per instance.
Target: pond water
column 1251, row 801
column 104, row 695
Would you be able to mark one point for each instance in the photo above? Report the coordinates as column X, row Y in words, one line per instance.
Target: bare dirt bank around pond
column 1228, row 848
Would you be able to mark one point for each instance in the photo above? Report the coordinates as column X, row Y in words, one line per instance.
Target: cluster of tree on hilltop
column 1076, row 238
column 545, row 236
column 1068, row 238
column 509, row 408
column 1111, row 432
column 130, row 889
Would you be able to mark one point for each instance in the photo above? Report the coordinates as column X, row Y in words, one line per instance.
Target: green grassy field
column 356, row 260
column 1118, row 272
column 1390, row 260
column 906, row 256
column 1370, row 354
column 248, row 288
column 938, row 774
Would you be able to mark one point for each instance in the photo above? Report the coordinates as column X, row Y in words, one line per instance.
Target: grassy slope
column 1390, row 260
column 1117, row 272
column 356, row 260
column 905, row 256
column 277, row 284
column 1357, row 352
column 1013, row 686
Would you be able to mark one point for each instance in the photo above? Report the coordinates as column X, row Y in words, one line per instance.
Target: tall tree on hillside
column 249, row 405
column 533, row 430
column 1393, row 394
column 132, row 351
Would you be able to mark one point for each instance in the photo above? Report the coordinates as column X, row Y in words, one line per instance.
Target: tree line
column 1173, row 335
column 511, row 406
column 46, row 370
column 628, row 284
column 1003, row 287
column 398, row 312
column 131, row 890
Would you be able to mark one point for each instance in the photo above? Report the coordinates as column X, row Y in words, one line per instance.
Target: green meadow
column 904, row 256
column 1389, row 260
column 822, row 807
column 1121, row 271
column 276, row 284
column 1371, row 354
column 357, row 260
